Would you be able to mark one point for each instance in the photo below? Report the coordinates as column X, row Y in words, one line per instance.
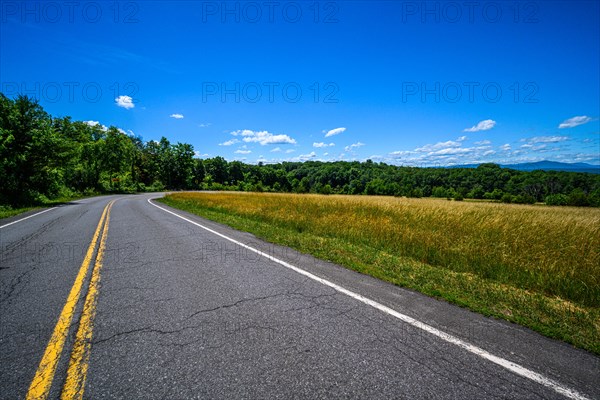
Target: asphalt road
column 181, row 312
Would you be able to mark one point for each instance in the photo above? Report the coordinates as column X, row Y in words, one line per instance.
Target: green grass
column 536, row 266
column 7, row 211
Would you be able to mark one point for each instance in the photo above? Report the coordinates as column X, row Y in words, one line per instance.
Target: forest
column 44, row 157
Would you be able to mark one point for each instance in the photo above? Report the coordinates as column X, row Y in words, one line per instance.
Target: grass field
column 534, row 265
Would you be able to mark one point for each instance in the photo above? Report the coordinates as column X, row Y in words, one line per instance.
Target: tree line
column 43, row 157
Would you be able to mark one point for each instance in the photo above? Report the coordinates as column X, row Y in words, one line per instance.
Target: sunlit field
column 535, row 265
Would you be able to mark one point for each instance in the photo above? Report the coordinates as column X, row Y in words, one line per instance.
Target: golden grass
column 535, row 265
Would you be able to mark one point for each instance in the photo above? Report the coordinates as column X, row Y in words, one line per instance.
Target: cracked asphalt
column 185, row 314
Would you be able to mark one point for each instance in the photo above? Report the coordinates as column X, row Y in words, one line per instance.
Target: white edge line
column 509, row 365
column 23, row 219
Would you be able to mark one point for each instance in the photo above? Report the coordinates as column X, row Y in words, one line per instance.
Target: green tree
column 183, row 166
column 556, row 200
column 31, row 152
column 217, row 168
column 578, row 198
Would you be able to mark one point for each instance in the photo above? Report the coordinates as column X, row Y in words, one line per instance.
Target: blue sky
column 403, row 82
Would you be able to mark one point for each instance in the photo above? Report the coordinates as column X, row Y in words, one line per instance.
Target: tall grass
column 521, row 263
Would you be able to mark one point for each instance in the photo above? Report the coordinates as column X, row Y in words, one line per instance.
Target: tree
column 578, row 198
column 477, row 192
column 41, row 157
column 199, row 172
column 303, row 186
column 31, row 152
column 236, row 172
column 183, row 166
column 166, row 162
column 217, row 168
column 556, row 200
column 117, row 159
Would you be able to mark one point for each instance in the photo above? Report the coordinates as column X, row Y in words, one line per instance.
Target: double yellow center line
column 80, row 355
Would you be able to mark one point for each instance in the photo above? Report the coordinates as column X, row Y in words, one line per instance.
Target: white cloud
column 176, row 116
column 243, row 132
column 288, row 151
column 333, row 132
column 305, row 157
column 440, row 145
column 321, row 144
column 276, row 150
column 206, row 125
column 240, row 151
column 96, row 123
column 353, row 146
column 481, row 126
column 546, row 139
column 229, row 142
column 125, row 102
column 575, row 121
column 452, row 151
column 401, row 153
column 535, row 147
column 129, row 132
column 263, row 137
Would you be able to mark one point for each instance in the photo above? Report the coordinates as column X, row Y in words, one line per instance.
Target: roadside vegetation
column 7, row 211
column 44, row 158
column 536, row 266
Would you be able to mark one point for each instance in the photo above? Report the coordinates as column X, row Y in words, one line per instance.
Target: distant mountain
column 555, row 166
column 546, row 166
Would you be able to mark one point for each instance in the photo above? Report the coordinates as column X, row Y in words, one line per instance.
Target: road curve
column 169, row 309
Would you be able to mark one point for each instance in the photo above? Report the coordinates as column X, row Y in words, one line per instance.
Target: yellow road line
column 80, row 356
column 42, row 381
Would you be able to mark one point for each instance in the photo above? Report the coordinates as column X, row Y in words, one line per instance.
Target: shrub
column 496, row 194
column 578, row 198
column 416, row 193
column 594, row 198
column 556, row 200
column 438, row 192
column 476, row 193
column 157, row 186
column 326, row 189
column 524, row 199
